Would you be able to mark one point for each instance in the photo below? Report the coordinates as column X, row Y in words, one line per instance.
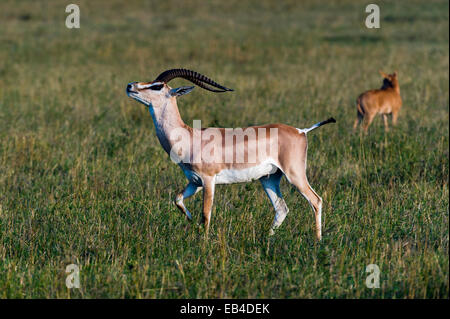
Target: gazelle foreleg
column 271, row 185
column 208, row 198
column 189, row 190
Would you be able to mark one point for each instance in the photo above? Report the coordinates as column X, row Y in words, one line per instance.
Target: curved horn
column 192, row 76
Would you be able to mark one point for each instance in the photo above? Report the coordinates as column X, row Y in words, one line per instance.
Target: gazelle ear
column 383, row 74
column 181, row 90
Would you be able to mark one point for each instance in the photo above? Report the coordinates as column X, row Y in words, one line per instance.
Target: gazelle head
column 153, row 93
column 156, row 92
column 390, row 80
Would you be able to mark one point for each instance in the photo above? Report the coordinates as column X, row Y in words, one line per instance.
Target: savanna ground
column 84, row 180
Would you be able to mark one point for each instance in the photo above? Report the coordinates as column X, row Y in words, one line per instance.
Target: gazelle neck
column 166, row 118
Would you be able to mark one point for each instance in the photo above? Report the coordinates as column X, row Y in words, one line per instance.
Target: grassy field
column 84, row 180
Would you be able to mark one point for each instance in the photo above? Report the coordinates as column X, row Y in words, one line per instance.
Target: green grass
column 84, row 180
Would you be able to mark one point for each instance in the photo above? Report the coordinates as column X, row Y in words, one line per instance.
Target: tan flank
column 385, row 100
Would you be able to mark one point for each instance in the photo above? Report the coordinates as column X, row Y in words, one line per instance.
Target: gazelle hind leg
column 386, row 125
column 189, row 190
column 394, row 117
column 271, row 185
column 368, row 118
column 301, row 183
column 359, row 114
column 359, row 118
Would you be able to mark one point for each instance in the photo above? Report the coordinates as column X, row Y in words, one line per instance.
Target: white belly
column 229, row 176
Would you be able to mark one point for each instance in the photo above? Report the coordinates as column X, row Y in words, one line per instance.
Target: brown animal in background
column 385, row 101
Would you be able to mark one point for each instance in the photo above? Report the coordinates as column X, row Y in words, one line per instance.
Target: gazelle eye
column 156, row 87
